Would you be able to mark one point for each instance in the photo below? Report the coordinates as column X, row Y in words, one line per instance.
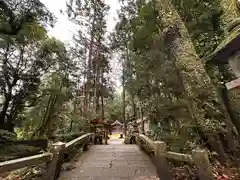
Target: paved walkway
column 114, row 140
column 115, row 161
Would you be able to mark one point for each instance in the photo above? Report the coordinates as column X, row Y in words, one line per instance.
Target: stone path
column 114, row 140
column 115, row 161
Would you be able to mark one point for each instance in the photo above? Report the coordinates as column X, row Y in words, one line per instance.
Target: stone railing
column 160, row 155
column 53, row 159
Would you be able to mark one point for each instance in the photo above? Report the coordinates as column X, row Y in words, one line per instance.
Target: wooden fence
column 53, row 159
column 157, row 149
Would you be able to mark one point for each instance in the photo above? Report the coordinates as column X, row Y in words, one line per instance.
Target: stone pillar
column 106, row 137
column 54, row 166
column 201, row 160
column 161, row 163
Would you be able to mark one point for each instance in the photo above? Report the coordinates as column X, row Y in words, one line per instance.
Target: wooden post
column 217, row 146
column 161, row 163
column 85, row 144
column 106, row 138
column 93, row 139
column 140, row 143
column 201, row 160
column 121, row 136
column 54, row 166
column 132, row 140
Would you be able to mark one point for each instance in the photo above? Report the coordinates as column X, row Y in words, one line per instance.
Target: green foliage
column 17, row 14
column 203, row 21
column 21, row 69
column 46, row 90
column 91, row 48
column 114, row 108
column 6, row 136
column 28, row 57
column 50, row 110
column 164, row 74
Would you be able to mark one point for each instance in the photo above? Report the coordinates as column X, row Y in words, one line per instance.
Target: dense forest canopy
column 48, row 87
column 164, row 45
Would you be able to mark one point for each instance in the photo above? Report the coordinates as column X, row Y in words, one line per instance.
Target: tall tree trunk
column 229, row 11
column 74, row 114
column 4, row 111
column 84, row 93
column 96, row 89
column 89, row 74
column 71, row 125
column 7, row 94
column 102, row 107
column 187, row 60
column 123, row 99
column 41, row 129
column 142, row 121
column 134, row 106
column 88, row 82
column 47, row 127
column 49, row 112
column 102, row 97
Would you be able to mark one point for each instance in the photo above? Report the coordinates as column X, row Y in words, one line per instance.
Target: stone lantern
column 228, row 52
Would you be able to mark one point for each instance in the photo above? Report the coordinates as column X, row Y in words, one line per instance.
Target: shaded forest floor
column 221, row 172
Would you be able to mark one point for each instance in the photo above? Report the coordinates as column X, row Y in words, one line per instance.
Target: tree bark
column 134, row 106
column 89, row 68
column 102, row 98
column 192, row 71
column 124, row 102
column 229, row 11
column 74, row 114
column 142, row 121
column 4, row 111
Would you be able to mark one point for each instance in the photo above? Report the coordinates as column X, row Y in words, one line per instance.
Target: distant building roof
column 116, row 123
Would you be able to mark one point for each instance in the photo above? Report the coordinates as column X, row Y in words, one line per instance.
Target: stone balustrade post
column 106, row 138
column 54, row 166
column 86, row 143
column 162, row 165
column 201, row 160
column 93, row 139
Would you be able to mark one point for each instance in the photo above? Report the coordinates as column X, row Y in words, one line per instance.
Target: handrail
column 77, row 140
column 179, row 157
column 148, row 141
column 199, row 157
column 54, row 158
column 168, row 154
column 23, row 162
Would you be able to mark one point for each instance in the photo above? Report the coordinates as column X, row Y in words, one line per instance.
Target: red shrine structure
column 101, row 129
column 117, row 127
